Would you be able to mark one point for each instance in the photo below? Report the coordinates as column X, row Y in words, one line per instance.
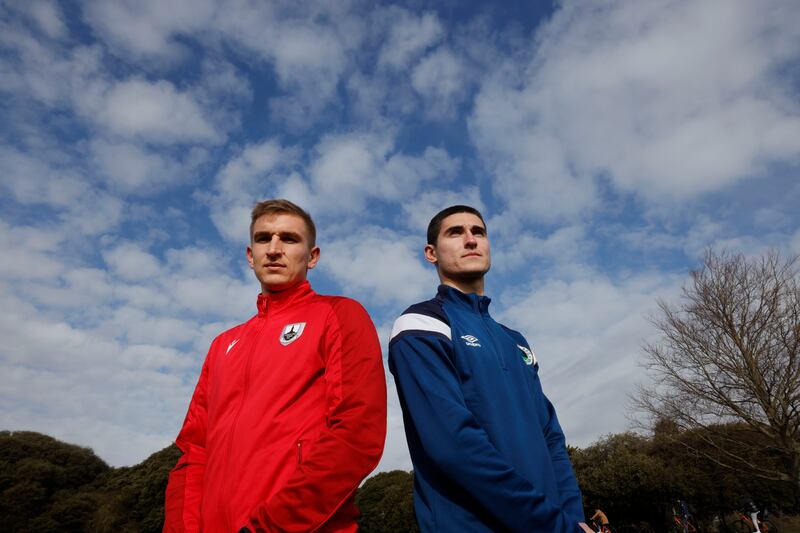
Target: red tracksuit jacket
column 289, row 415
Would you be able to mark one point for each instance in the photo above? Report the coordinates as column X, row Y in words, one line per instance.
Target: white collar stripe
column 417, row 322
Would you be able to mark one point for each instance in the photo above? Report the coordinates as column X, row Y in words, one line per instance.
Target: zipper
column 235, row 424
column 299, row 452
column 498, row 346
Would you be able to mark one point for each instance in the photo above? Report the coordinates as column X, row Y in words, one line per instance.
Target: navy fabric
column 487, row 448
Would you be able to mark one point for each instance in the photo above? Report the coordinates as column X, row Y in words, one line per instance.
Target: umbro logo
column 471, row 340
column 231, row 345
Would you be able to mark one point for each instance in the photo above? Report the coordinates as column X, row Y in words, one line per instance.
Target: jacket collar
column 275, row 301
column 475, row 302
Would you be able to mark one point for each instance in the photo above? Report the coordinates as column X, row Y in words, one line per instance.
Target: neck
column 465, row 286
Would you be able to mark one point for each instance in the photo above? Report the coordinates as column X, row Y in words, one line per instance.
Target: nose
column 274, row 247
column 469, row 240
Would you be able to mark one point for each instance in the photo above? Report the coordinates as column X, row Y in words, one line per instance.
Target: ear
column 313, row 257
column 250, row 258
column 430, row 254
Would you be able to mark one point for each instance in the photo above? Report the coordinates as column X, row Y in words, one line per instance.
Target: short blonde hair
column 277, row 206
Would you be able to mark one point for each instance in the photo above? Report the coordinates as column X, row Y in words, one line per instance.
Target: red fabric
column 277, row 437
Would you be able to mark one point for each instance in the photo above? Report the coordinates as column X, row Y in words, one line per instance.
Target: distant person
column 600, row 518
column 488, row 451
column 289, row 414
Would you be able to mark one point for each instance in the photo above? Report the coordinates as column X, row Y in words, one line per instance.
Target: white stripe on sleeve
column 417, row 322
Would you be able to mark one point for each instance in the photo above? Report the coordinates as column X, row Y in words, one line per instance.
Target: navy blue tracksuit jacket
column 487, row 448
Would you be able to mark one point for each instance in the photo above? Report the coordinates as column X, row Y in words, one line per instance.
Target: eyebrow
column 282, row 234
column 452, row 229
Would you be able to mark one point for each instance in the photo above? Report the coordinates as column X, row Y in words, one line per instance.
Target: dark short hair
column 280, row 206
column 435, row 224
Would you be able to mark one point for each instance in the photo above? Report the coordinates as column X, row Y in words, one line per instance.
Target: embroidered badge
column 471, row 340
column 527, row 355
column 291, row 332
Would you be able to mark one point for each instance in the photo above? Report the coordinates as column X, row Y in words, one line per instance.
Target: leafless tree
column 729, row 356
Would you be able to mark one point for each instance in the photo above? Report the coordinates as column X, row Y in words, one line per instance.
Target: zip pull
column 299, row 452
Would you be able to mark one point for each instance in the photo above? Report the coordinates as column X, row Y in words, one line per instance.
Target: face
column 279, row 252
column 461, row 252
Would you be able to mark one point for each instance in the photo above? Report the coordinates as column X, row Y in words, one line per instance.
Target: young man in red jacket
column 289, row 413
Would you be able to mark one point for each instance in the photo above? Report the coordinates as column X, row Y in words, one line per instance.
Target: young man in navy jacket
column 488, row 451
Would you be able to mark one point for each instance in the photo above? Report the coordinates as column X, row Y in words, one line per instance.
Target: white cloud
column 427, row 203
column 379, row 266
column 409, row 36
column 354, row 168
column 152, row 110
column 148, row 29
column 568, row 246
column 611, row 92
column 257, row 171
column 107, row 349
column 131, row 168
column 29, row 253
column 441, row 79
column 587, row 336
column 129, row 262
column 50, row 179
column 253, row 167
column 47, row 16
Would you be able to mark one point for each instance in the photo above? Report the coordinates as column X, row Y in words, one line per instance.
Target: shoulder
column 422, row 319
column 522, row 344
column 344, row 310
column 228, row 336
column 514, row 334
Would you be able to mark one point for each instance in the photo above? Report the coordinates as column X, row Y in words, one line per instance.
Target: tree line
column 48, row 485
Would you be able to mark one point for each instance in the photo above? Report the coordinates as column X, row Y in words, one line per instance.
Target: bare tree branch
column 729, row 353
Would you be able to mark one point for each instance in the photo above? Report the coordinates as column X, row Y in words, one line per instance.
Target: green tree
column 386, row 503
column 133, row 497
column 621, row 475
column 35, row 472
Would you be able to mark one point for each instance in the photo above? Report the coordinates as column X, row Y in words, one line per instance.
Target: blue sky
column 608, row 143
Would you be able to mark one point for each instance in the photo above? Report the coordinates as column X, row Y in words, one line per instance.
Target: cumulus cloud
column 427, row 203
column 380, row 266
column 155, row 110
column 47, row 16
column 148, row 29
column 132, row 168
column 124, row 342
column 39, row 179
column 586, row 335
column 409, row 36
column 611, row 93
column 255, row 172
column 357, row 167
column 441, row 79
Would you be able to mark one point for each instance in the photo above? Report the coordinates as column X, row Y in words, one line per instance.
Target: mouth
column 474, row 254
column 274, row 265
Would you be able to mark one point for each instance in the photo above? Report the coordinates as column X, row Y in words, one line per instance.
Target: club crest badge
column 291, row 332
column 527, row 355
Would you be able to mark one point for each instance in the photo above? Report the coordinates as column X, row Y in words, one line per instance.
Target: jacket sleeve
column 352, row 439
column 185, row 486
column 453, row 439
column 571, row 500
